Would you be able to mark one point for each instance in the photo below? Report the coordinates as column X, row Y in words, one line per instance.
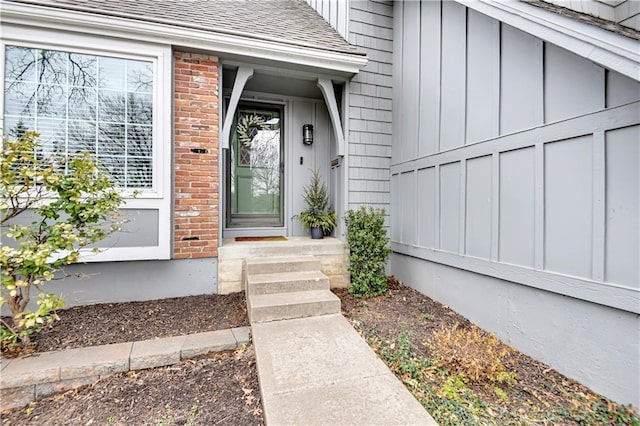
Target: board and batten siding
column 517, row 161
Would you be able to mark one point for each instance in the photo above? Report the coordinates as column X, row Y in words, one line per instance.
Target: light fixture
column 307, row 134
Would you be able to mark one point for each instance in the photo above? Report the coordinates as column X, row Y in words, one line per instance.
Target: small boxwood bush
column 368, row 249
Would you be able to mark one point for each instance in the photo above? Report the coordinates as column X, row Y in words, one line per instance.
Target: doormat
column 274, row 238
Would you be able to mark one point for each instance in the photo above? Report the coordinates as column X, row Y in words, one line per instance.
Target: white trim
column 242, row 76
column 89, row 23
column 326, row 87
column 606, row 48
column 159, row 197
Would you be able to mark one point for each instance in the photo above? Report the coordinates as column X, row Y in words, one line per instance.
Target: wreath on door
column 248, row 128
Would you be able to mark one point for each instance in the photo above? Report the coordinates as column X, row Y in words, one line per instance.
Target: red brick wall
column 196, row 156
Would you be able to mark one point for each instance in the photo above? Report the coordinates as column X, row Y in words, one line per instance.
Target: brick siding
column 196, row 156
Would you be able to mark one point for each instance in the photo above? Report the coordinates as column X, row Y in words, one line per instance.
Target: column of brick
column 196, row 156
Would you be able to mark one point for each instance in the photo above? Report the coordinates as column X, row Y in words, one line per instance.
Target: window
column 109, row 96
column 83, row 102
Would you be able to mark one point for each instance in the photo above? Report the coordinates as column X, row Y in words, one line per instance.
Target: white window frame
column 158, row 197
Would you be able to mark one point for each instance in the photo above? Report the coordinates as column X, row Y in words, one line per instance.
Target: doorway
column 255, row 167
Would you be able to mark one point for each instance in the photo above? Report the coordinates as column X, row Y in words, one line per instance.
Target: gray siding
column 369, row 25
column 521, row 162
column 335, row 12
column 370, row 105
column 114, row 282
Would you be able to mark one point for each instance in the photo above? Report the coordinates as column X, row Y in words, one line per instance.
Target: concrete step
column 297, row 304
column 285, row 282
column 270, row 265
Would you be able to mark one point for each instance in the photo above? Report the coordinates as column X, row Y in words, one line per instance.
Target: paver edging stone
column 33, row 377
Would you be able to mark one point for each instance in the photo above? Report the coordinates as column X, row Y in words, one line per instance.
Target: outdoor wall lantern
column 307, row 134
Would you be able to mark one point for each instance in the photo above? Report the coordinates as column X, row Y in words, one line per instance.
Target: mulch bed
column 218, row 389
column 540, row 395
column 107, row 323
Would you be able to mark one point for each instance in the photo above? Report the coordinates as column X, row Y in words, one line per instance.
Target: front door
column 255, row 167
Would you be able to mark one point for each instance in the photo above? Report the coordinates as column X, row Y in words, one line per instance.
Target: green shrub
column 367, row 241
column 47, row 215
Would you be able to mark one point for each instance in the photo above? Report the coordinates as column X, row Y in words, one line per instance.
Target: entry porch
column 332, row 253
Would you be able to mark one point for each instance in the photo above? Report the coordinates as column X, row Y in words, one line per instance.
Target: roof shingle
column 286, row 21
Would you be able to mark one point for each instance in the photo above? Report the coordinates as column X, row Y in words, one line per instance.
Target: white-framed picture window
column 109, row 97
column 84, row 103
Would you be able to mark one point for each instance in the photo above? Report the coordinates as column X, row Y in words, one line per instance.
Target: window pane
column 139, row 172
column 19, row 98
column 111, row 74
column 111, row 105
column 52, row 101
column 139, row 109
column 81, row 137
column 139, row 141
column 51, row 67
column 82, row 103
column 53, row 135
column 14, row 127
column 115, row 165
column 20, row 64
column 139, row 76
column 82, row 70
column 111, row 139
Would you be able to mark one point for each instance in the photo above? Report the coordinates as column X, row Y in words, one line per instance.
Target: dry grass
column 471, row 353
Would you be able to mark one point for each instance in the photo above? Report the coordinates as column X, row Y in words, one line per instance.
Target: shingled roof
column 286, row 21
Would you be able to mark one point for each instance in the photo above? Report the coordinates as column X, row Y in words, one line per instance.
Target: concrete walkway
column 319, row 371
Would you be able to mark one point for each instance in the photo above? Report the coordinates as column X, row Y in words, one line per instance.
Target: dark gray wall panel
column 517, row 172
column 450, row 207
column 408, row 206
column 430, row 33
column 427, row 207
column 520, row 80
column 568, row 206
column 621, row 89
column 453, row 77
column 410, row 120
column 572, row 85
column 478, row 207
column 622, row 253
column 483, row 77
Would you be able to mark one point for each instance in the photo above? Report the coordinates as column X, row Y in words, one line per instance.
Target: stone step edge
column 30, row 378
column 278, row 277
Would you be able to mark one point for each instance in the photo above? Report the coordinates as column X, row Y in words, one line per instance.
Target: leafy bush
column 367, row 241
column 49, row 214
column 471, row 353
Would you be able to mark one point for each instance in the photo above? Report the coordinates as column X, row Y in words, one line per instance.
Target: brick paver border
column 34, row 377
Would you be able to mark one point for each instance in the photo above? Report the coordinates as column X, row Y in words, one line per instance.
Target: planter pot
column 317, row 233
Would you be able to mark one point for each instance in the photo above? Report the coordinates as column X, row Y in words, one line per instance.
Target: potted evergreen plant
column 318, row 216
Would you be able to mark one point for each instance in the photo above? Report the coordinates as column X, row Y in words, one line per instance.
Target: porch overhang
column 192, row 37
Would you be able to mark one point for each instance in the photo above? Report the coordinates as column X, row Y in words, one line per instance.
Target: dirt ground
column 107, row 323
column 537, row 395
column 221, row 389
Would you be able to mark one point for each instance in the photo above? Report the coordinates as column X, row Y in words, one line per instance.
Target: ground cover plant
column 463, row 375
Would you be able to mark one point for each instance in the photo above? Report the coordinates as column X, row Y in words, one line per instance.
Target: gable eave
column 611, row 50
column 28, row 15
